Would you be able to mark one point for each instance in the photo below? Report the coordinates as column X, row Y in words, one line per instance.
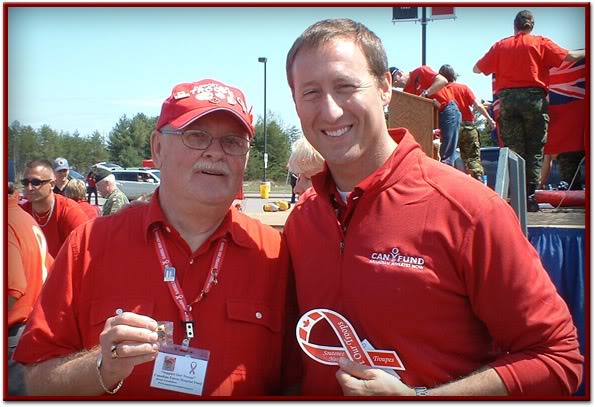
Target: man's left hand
column 359, row 380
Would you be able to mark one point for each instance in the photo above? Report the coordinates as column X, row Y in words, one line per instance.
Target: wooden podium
column 417, row 114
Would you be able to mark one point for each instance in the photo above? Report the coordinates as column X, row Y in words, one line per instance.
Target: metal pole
column 265, row 157
column 424, row 35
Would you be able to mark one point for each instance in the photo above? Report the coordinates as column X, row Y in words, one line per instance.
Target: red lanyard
column 169, row 273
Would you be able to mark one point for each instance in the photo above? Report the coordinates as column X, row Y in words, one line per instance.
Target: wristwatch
column 424, row 94
column 421, row 391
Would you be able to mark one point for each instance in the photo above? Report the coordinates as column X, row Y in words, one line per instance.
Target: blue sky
column 82, row 68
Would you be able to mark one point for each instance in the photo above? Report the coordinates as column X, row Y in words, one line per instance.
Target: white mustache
column 213, row 167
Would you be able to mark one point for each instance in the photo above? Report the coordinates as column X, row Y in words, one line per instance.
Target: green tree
column 278, row 150
column 129, row 140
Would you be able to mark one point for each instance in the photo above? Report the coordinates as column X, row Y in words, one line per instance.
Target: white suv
column 135, row 182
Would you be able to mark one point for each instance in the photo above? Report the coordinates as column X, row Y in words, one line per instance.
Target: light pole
column 265, row 157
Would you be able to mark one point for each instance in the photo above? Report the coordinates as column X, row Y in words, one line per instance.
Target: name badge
column 180, row 370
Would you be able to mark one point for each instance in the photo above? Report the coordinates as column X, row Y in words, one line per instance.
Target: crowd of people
column 392, row 252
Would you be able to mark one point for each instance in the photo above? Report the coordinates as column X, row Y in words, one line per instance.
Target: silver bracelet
column 98, row 365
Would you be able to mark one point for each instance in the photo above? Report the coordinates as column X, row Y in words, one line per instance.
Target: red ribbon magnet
column 352, row 347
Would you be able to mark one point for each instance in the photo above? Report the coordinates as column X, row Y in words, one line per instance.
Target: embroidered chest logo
column 396, row 259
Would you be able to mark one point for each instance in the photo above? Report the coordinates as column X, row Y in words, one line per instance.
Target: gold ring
column 114, row 350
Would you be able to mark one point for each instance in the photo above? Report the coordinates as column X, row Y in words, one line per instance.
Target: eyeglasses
column 35, row 182
column 201, row 140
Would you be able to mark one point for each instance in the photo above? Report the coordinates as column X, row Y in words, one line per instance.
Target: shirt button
column 192, row 261
column 259, row 315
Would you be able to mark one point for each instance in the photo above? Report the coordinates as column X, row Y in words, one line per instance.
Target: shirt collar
column 232, row 226
column 386, row 175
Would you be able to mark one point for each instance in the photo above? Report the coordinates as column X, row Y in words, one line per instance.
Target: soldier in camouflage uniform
column 521, row 64
column 106, row 185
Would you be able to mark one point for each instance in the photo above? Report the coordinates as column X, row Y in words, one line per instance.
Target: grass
column 253, row 187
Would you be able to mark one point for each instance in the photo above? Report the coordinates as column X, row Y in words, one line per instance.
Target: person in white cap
column 180, row 297
column 61, row 175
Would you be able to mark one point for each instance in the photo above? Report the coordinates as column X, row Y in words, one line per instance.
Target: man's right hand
column 127, row 340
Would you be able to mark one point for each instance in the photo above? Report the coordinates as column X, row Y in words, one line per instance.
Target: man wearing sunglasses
column 187, row 259
column 56, row 215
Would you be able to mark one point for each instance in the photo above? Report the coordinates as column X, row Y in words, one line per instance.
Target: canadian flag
column 567, row 105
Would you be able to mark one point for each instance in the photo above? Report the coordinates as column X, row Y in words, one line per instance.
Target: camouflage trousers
column 523, row 122
column 469, row 149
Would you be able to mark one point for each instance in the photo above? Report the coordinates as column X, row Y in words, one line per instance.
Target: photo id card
column 180, row 370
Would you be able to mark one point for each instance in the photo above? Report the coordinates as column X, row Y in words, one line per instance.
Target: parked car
column 154, row 171
column 77, row 175
column 135, row 182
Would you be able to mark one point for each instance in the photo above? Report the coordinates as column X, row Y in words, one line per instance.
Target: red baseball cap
column 189, row 101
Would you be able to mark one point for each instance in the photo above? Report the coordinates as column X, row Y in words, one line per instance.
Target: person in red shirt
column 521, row 64
column 424, row 81
column 469, row 139
column 91, row 187
column 28, row 262
column 418, row 257
column 75, row 190
column 186, row 266
column 56, row 215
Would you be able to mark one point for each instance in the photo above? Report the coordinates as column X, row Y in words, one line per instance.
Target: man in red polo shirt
column 181, row 297
column 469, row 139
column 521, row 64
column 422, row 262
column 424, row 81
column 56, row 215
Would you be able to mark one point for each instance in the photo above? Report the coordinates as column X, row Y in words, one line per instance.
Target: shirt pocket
column 104, row 308
column 254, row 313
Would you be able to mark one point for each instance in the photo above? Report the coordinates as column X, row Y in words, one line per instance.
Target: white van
column 135, row 182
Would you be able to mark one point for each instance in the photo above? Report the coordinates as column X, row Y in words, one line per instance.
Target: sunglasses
column 35, row 182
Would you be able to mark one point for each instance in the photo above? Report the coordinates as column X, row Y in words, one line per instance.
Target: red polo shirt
column 464, row 98
column 28, row 261
column 421, row 79
column 522, row 61
column 111, row 263
column 425, row 261
column 67, row 215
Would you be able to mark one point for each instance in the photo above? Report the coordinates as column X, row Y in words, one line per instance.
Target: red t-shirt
column 111, row 263
column 421, row 79
column 28, row 262
column 464, row 98
column 521, row 61
column 91, row 181
column 427, row 262
column 65, row 218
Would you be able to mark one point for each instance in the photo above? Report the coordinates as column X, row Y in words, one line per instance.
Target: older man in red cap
column 182, row 297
